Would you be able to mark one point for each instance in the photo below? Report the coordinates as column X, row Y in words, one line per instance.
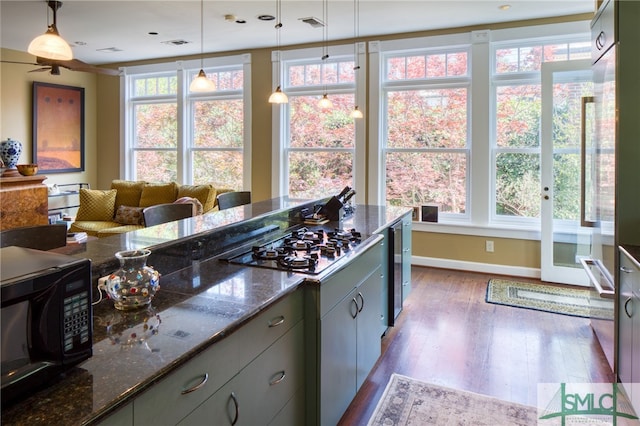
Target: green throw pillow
column 96, row 204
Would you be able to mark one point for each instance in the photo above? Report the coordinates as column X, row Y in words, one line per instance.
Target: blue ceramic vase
column 10, row 151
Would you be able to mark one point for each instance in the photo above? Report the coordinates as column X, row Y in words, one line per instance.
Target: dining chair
column 226, row 200
column 38, row 237
column 162, row 213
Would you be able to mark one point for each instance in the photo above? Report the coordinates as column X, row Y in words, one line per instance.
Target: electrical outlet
column 489, row 246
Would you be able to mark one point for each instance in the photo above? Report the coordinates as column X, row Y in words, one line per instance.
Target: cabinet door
column 406, row 256
column 122, row 417
column 368, row 296
column 261, row 389
column 338, row 359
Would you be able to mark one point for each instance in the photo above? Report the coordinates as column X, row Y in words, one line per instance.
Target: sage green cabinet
column 344, row 340
column 122, row 417
column 188, row 387
column 257, row 394
column 629, row 327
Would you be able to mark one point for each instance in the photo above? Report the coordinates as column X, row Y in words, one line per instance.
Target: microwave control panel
column 77, row 320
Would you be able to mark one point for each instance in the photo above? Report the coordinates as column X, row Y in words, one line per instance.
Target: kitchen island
column 208, row 314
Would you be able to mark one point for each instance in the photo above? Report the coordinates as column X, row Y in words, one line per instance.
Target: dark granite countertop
column 202, row 299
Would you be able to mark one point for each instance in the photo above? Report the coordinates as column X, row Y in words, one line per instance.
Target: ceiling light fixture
column 356, row 113
column 325, row 102
column 278, row 96
column 201, row 83
column 504, row 7
column 50, row 45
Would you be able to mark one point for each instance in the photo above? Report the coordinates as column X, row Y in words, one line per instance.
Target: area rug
column 579, row 302
column 410, row 402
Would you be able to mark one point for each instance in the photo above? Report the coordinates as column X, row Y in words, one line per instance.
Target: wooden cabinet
column 343, row 341
column 629, row 327
column 23, row 202
column 214, row 373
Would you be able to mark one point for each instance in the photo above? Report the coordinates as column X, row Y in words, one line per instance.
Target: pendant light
column 278, row 96
column 325, row 102
column 201, row 83
column 50, row 45
column 356, row 113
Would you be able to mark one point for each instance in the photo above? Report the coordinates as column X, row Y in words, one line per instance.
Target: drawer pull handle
column 362, row 299
column 279, row 379
column 276, row 321
column 626, row 270
column 205, row 377
column 237, row 407
column 626, row 305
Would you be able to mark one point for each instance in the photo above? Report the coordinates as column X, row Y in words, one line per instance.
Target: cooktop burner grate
column 303, row 250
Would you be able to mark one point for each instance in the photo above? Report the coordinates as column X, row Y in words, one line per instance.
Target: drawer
column 342, row 282
column 164, row 403
column 261, row 390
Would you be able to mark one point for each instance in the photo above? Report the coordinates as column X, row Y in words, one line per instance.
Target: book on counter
column 76, row 237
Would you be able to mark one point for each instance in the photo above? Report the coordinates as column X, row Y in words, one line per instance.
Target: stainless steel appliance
column 395, row 271
column 46, row 317
column 304, row 250
column 599, row 177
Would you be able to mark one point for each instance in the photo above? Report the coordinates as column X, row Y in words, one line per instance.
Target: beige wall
column 103, row 136
column 16, row 109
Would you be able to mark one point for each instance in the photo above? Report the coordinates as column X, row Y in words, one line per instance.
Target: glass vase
column 134, row 284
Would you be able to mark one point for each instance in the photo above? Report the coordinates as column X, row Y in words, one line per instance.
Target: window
column 517, row 102
column 426, row 154
column 318, row 156
column 173, row 135
column 456, row 122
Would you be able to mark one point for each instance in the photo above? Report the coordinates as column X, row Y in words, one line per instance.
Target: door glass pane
column 569, row 240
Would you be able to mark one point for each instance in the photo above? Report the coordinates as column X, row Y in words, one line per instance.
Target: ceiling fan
column 62, row 54
column 54, row 66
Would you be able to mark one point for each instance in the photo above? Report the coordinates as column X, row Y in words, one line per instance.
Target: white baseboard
column 487, row 268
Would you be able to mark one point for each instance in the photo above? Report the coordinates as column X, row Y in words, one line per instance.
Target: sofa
column 119, row 209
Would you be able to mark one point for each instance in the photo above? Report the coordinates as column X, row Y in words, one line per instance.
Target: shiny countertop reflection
column 202, row 299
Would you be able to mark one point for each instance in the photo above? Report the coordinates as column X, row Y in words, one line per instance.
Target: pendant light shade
column 278, row 97
column 50, row 45
column 356, row 113
column 325, row 102
column 201, row 83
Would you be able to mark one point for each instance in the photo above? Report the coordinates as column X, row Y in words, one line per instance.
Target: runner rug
column 579, row 302
column 410, row 402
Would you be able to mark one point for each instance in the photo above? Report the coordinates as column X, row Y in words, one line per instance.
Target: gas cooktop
column 303, row 250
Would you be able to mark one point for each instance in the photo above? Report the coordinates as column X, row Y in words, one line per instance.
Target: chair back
column 162, row 213
column 38, row 237
column 226, row 200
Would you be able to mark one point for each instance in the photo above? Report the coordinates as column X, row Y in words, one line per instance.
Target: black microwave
column 46, row 317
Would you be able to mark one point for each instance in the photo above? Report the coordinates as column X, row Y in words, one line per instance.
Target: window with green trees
column 174, row 135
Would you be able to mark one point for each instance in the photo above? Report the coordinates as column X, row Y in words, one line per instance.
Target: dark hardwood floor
column 448, row 335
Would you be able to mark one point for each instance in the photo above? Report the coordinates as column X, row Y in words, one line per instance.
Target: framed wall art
column 58, row 128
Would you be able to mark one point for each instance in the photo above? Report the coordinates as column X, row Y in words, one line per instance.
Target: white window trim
column 279, row 121
column 481, row 187
column 185, row 70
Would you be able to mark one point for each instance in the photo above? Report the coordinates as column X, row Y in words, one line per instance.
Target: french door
column 563, row 240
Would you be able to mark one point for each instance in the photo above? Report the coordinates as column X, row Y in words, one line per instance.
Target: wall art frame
column 58, row 128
